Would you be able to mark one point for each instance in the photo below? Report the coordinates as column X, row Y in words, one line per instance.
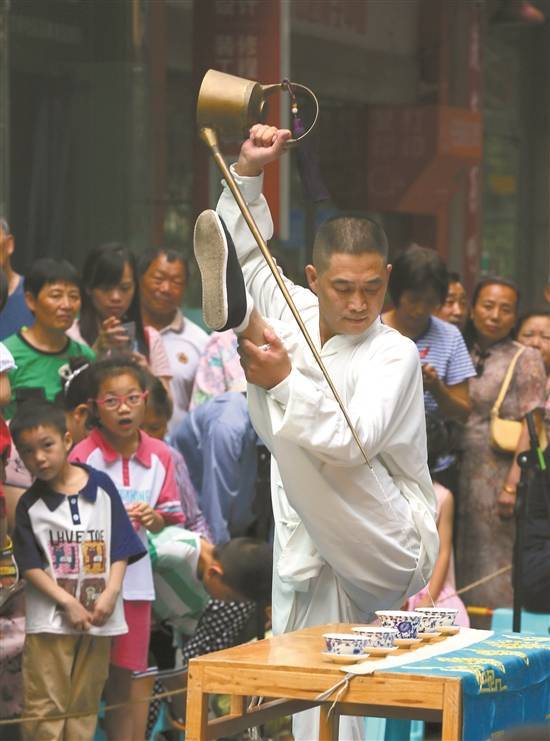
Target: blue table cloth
column 505, row 682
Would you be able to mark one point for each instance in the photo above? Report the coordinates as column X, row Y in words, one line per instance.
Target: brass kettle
column 231, row 105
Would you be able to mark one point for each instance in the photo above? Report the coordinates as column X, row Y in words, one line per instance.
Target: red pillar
column 242, row 39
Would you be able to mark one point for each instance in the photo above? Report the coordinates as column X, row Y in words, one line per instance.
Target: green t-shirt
column 39, row 369
column 180, row 597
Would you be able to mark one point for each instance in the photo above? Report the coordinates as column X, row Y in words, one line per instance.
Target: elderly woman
column 488, row 478
column 533, row 330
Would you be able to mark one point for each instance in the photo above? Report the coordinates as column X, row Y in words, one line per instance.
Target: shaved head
column 349, row 235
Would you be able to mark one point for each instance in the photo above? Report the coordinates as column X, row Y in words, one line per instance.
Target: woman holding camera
column 110, row 318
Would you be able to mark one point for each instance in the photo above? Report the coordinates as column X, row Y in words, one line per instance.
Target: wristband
column 509, row 489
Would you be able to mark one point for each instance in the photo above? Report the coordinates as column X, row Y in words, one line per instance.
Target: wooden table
column 290, row 671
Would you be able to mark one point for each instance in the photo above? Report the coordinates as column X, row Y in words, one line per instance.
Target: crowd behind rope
column 129, row 479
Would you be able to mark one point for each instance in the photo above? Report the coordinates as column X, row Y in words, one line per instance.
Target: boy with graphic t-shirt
column 72, row 542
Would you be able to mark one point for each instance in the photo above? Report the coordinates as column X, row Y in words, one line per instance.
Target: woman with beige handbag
column 510, row 382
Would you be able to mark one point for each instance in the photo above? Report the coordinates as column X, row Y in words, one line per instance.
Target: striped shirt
column 443, row 347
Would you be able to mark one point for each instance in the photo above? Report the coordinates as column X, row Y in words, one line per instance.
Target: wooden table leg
column 197, row 706
column 237, row 705
column 451, row 729
column 328, row 724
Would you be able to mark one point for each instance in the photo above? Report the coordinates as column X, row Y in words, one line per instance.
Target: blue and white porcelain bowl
column 443, row 616
column 406, row 622
column 376, row 637
column 429, row 620
column 345, row 644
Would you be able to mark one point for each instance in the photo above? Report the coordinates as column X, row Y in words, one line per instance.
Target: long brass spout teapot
column 231, row 105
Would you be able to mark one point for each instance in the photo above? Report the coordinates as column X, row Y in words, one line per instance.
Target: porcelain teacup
column 377, row 637
column 437, row 616
column 406, row 622
column 347, row 644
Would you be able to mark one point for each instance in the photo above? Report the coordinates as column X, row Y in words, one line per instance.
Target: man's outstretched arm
column 264, row 146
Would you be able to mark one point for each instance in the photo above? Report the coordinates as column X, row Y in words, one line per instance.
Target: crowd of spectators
column 111, row 352
column 107, row 365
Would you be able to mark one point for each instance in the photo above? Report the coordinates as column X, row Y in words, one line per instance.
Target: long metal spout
column 209, row 137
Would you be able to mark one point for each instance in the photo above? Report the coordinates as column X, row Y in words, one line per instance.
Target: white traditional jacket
column 348, row 539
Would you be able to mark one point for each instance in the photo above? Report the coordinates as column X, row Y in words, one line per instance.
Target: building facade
column 434, row 118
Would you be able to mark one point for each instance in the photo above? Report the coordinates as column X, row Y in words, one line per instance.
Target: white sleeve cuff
column 250, row 187
column 281, row 392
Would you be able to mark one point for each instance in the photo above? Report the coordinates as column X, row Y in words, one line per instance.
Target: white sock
column 245, row 322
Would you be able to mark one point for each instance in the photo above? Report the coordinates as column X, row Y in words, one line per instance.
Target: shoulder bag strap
column 506, row 383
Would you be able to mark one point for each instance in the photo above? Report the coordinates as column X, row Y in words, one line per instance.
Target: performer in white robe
column 348, row 540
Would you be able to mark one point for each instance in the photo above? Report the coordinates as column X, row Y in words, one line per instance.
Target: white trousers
column 324, row 602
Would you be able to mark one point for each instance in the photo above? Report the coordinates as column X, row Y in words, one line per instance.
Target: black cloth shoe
column 224, row 298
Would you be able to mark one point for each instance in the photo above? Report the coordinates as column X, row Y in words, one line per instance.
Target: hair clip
column 69, row 377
